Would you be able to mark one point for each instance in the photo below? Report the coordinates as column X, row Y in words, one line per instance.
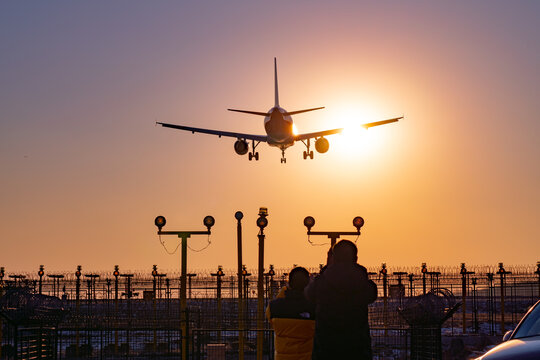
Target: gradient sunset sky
column 84, row 169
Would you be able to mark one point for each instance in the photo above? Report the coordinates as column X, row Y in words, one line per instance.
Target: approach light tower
column 309, row 222
column 262, row 222
column 160, row 222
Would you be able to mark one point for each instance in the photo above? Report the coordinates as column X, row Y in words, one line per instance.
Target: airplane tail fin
column 276, row 84
column 302, row 111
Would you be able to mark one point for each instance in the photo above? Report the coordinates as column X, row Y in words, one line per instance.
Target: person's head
column 298, row 278
column 345, row 251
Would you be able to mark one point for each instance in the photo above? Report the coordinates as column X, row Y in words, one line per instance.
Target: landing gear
column 283, row 160
column 254, row 154
column 307, row 153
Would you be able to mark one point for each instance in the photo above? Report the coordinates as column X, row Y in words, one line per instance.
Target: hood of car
column 523, row 349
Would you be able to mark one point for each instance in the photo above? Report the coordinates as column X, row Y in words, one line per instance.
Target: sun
column 355, row 138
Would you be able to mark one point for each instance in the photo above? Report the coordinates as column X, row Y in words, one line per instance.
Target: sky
column 85, row 170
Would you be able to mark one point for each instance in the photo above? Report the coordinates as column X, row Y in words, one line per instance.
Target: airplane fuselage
column 279, row 128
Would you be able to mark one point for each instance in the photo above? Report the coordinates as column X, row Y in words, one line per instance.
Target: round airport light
column 358, row 222
column 160, row 222
column 238, row 215
column 262, row 222
column 309, row 222
column 209, row 221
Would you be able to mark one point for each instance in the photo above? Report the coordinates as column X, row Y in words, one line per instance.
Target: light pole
column 309, row 222
column 238, row 216
column 41, row 272
column 262, row 222
column 160, row 222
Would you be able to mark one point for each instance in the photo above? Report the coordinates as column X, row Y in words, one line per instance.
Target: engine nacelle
column 241, row 147
column 322, row 145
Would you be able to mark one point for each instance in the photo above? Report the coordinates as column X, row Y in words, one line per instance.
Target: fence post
column 384, row 273
column 116, row 273
column 537, row 272
column 77, row 304
column 411, row 280
column 502, row 273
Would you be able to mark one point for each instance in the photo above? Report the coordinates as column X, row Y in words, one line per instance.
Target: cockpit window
column 530, row 326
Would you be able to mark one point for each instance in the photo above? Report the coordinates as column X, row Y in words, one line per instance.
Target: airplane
column 278, row 125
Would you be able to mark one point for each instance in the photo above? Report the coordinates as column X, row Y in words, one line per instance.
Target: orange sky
column 85, row 171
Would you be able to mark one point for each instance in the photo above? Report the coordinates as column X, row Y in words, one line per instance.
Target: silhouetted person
column 292, row 318
column 341, row 295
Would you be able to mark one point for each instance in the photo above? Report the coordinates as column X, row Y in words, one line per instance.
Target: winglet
column 276, row 84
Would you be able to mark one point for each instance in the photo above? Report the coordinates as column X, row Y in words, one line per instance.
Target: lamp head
column 262, row 222
column 309, row 222
column 160, row 222
column 238, row 215
column 209, row 221
column 358, row 222
column 263, row 211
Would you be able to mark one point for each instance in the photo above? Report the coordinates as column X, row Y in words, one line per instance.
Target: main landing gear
column 254, row 154
column 307, row 154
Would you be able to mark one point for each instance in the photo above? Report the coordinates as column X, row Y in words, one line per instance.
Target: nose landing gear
column 283, row 160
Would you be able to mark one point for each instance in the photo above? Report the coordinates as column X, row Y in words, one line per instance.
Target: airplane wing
column 219, row 133
column 337, row 131
column 317, row 134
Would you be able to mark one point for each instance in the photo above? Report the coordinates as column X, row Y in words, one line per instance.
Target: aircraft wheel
column 311, row 155
column 305, row 155
column 256, row 156
column 250, row 156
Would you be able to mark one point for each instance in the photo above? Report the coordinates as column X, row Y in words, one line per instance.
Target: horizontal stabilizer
column 302, row 111
column 250, row 112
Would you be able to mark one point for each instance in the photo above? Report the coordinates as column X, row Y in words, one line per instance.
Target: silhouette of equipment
column 309, row 222
column 425, row 315
column 160, row 222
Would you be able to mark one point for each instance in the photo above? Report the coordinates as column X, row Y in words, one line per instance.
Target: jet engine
column 322, row 145
column 241, row 147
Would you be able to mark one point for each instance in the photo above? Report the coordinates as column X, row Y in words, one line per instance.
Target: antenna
column 276, row 84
